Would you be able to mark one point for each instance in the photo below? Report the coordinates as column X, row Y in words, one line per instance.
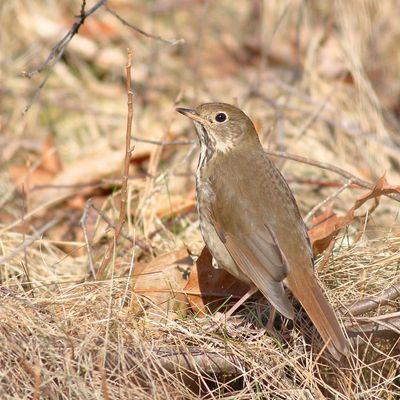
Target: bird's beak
column 192, row 114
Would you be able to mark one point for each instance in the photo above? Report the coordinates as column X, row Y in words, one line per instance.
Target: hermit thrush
column 250, row 221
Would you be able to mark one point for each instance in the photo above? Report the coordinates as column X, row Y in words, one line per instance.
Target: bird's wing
column 259, row 257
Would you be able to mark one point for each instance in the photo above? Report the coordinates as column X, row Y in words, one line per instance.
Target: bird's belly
column 205, row 197
column 219, row 251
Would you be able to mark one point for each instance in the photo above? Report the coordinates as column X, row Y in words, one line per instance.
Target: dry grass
column 318, row 79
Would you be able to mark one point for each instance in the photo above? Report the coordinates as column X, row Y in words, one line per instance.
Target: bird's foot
column 271, row 319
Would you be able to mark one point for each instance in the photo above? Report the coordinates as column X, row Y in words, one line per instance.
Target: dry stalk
column 124, row 185
column 82, row 221
column 135, row 241
column 27, row 242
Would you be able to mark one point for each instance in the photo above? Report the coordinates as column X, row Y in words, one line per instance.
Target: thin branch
column 124, row 184
column 336, row 122
column 328, row 199
column 329, row 167
column 282, row 154
column 135, row 241
column 373, row 302
column 165, row 142
column 386, row 328
column 148, row 35
column 58, row 50
column 26, row 243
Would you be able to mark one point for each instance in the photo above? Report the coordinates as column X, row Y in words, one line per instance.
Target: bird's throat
column 207, row 146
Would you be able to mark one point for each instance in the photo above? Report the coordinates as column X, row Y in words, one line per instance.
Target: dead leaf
column 71, row 181
column 39, row 172
column 210, row 286
column 169, row 206
column 51, row 161
column 327, row 225
column 160, row 283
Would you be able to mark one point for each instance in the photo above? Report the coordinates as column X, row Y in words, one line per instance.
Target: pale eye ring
column 221, row 117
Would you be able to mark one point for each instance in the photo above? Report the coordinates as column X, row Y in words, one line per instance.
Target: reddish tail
column 306, row 289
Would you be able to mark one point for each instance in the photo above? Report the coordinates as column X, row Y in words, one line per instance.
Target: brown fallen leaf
column 71, row 181
column 159, row 285
column 327, row 225
column 211, row 287
column 39, row 172
column 167, row 206
column 51, row 161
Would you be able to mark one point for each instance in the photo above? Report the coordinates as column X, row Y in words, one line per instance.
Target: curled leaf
column 327, row 225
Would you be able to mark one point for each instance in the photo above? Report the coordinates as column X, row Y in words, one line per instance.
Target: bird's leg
column 271, row 319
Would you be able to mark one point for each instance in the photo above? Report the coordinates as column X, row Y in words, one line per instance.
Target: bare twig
column 328, row 199
column 135, row 241
column 27, row 242
column 373, row 302
column 336, row 122
column 124, row 185
column 329, row 167
column 58, row 50
column 282, row 154
column 386, row 328
column 146, row 34
column 165, row 142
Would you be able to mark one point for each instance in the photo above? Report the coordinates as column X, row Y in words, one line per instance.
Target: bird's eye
column 221, row 117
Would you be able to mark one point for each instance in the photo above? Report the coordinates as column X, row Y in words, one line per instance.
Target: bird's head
column 221, row 126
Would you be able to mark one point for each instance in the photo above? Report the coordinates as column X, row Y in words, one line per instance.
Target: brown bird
column 250, row 221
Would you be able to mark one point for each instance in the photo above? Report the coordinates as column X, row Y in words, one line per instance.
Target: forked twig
column 58, row 50
column 135, row 241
